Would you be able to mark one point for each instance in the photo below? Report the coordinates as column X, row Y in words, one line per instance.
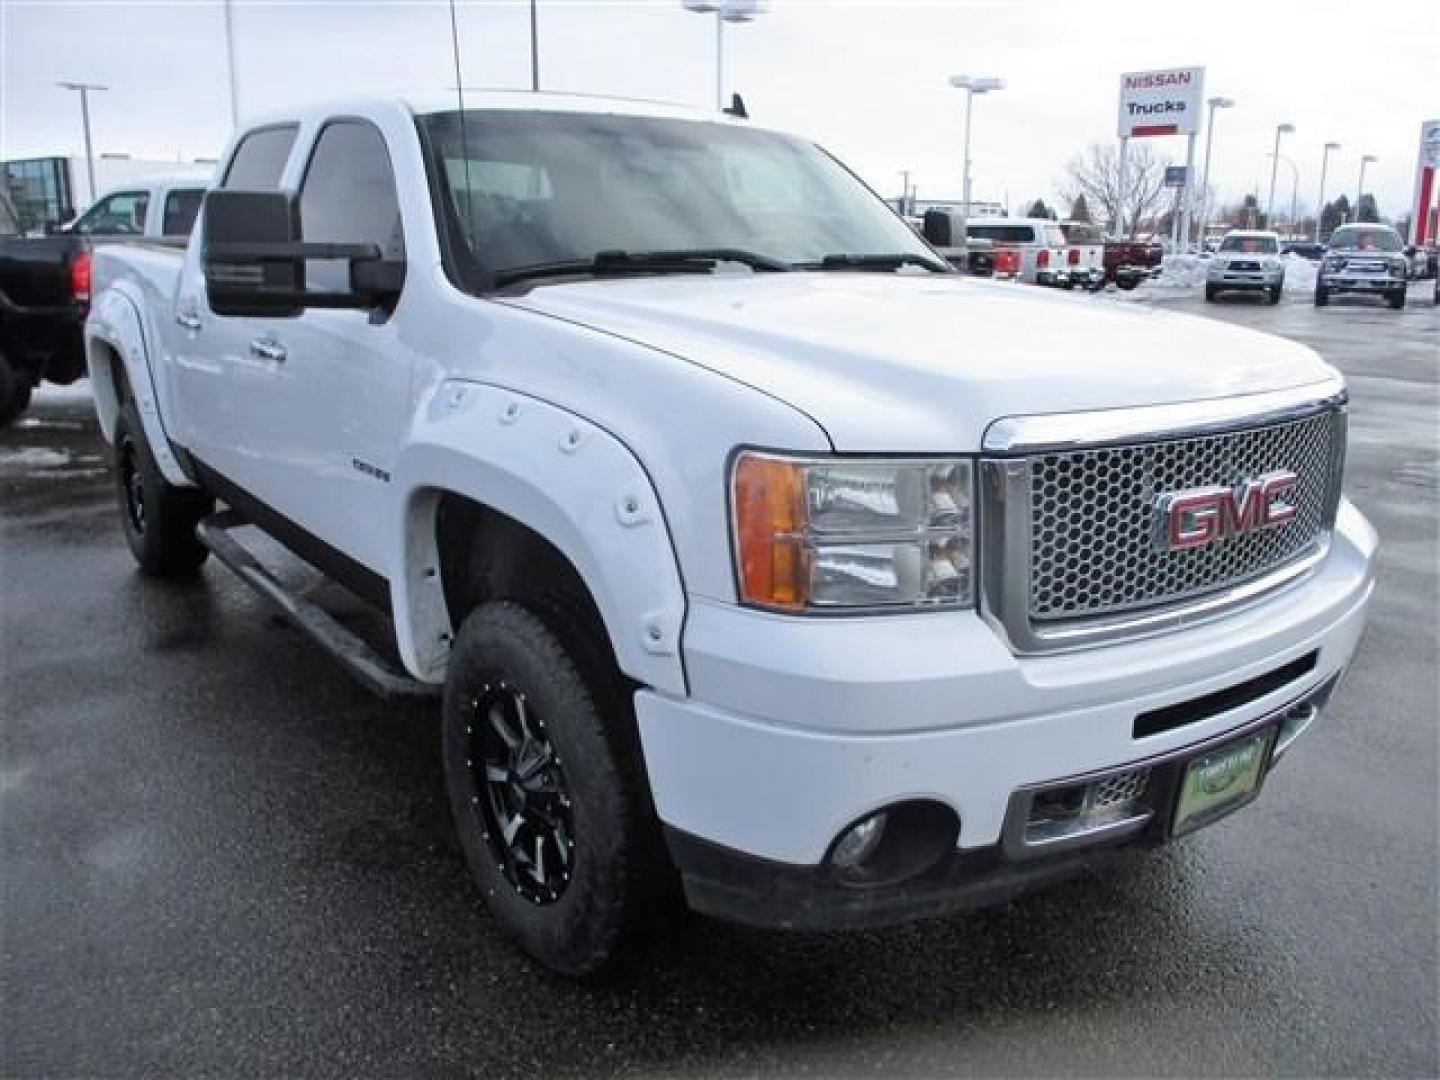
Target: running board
column 358, row 657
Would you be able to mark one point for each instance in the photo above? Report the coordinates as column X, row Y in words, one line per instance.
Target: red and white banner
column 1427, row 166
column 1164, row 102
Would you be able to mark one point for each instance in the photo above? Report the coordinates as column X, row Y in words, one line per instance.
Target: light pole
column 1365, row 159
column 725, row 11
column 1214, row 103
column 85, row 89
column 534, row 48
column 972, row 85
column 1283, row 129
column 1294, row 189
column 230, row 64
column 1320, row 206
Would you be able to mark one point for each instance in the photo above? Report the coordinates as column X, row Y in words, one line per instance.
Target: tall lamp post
column 1294, row 189
column 85, row 89
column 1214, row 103
column 1365, row 159
column 1320, row 206
column 1282, row 129
column 972, row 85
column 725, row 11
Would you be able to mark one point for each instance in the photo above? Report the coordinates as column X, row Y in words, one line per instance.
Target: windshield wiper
column 676, row 261
column 875, row 262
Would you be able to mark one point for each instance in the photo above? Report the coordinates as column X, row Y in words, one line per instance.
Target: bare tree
column 1095, row 174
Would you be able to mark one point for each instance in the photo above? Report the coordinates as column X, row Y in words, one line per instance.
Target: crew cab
column 45, row 281
column 1247, row 261
column 1363, row 259
column 746, row 544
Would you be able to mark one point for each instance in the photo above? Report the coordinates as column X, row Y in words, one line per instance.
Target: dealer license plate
column 1221, row 780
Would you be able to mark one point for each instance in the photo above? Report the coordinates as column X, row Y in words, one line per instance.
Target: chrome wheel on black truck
column 547, row 798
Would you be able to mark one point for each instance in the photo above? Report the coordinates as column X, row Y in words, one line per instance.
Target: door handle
column 268, row 349
column 189, row 321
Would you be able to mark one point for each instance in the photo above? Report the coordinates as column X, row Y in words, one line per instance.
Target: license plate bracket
column 1221, row 780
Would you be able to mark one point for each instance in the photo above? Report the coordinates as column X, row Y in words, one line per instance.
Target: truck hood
column 895, row 363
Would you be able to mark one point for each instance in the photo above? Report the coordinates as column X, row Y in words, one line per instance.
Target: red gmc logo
column 1200, row 516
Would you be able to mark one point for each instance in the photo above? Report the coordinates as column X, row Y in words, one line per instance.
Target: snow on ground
column 1188, row 272
column 76, row 391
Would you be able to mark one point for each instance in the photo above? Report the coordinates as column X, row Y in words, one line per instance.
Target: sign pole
column 1187, row 192
column 1120, row 233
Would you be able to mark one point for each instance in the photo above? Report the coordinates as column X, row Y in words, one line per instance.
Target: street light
column 1320, row 206
column 1294, row 189
column 1365, row 159
column 725, row 11
column 85, row 89
column 972, row 85
column 1214, row 103
column 1283, row 129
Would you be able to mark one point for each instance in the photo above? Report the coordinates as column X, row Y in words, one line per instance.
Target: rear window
column 1251, row 245
column 180, row 210
column 1003, row 234
column 260, row 159
column 1081, row 232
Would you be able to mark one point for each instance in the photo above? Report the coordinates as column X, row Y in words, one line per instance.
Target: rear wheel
column 159, row 519
column 546, row 793
column 14, row 392
column 1210, row 293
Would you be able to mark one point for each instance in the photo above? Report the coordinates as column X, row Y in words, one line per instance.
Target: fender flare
column 115, row 322
column 572, row 482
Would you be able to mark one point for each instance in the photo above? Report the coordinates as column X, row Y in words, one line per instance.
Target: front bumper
column 1377, row 283
column 799, row 727
column 1246, row 280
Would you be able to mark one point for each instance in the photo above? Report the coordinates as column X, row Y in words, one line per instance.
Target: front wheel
column 547, row 798
column 1322, row 296
column 159, row 519
column 1272, row 294
column 1210, row 293
column 1396, row 299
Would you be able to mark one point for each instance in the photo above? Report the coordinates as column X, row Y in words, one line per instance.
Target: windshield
column 531, row 188
column 1359, row 238
column 1251, row 245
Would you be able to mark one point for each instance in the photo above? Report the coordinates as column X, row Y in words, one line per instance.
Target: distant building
column 50, row 191
column 977, row 207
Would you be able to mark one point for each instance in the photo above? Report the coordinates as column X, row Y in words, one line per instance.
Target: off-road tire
column 508, row 650
column 158, row 518
column 14, row 392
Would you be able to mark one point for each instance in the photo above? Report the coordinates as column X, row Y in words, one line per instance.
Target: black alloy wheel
column 521, row 792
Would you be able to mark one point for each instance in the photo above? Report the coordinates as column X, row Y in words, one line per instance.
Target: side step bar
column 359, row 658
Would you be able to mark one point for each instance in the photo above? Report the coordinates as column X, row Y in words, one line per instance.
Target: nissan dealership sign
column 1161, row 102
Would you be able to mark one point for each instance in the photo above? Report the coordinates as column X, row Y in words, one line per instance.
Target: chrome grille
column 1119, row 789
column 1093, row 512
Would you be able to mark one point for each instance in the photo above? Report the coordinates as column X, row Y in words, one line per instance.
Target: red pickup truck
column 1128, row 262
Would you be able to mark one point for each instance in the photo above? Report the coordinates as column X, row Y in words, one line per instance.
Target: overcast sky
column 868, row 80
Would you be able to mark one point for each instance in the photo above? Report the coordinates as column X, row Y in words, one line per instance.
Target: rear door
column 224, row 386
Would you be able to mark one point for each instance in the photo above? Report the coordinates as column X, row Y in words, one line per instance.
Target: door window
column 180, row 210
column 260, row 159
column 348, row 197
column 121, row 214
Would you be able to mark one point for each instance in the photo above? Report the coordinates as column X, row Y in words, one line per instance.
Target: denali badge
column 1200, row 516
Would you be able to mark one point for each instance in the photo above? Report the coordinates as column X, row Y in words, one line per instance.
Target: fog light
column 858, row 843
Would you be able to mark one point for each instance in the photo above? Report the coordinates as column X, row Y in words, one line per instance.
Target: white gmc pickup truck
column 751, row 547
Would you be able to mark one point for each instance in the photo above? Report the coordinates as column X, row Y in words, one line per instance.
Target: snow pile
column 1300, row 273
column 1181, row 272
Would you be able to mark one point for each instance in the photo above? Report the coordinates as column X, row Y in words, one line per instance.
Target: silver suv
column 1246, row 261
column 1363, row 259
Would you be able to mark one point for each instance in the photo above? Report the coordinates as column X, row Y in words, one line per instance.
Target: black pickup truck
column 45, row 281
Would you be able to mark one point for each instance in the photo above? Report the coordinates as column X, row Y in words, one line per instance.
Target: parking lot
column 222, row 857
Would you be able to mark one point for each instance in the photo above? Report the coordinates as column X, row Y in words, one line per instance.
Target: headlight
column 1398, row 268
column 827, row 534
column 1333, row 264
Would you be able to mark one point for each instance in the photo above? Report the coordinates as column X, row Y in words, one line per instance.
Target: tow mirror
column 936, row 229
column 254, row 260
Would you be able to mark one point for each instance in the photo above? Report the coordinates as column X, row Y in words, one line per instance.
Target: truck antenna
column 464, row 150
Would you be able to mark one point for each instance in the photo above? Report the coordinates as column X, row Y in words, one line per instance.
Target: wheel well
column 485, row 555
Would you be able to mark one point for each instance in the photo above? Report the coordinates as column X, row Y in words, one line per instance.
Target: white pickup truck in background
column 747, row 542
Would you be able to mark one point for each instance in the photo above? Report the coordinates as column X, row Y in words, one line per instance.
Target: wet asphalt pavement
column 221, row 857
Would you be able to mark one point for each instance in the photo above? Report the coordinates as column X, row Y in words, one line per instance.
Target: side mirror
column 254, row 260
column 1410, row 250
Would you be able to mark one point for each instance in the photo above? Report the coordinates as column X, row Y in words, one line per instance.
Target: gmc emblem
column 1200, row 516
